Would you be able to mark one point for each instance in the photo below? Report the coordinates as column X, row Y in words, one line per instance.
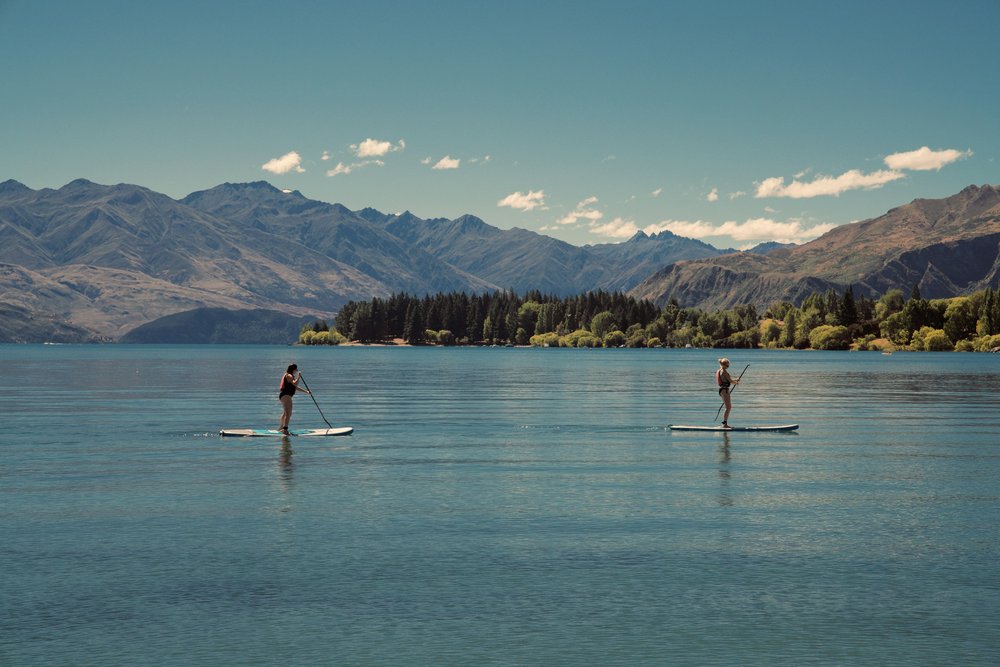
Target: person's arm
column 295, row 381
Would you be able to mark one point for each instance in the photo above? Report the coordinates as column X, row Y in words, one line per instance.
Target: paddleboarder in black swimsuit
column 289, row 385
column 725, row 382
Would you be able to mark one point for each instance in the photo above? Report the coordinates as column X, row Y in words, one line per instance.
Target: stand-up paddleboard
column 782, row 427
column 270, row 432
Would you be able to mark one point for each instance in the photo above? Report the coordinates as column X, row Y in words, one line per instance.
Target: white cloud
column 426, row 160
column 282, row 165
column 826, row 185
column 924, row 159
column 737, row 194
column 524, row 201
column 326, row 156
column 583, row 211
column 656, row 193
column 619, row 228
column 376, row 148
column 713, row 195
column 753, row 229
column 447, row 162
column 342, row 168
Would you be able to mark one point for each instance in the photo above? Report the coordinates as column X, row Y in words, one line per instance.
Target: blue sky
column 732, row 122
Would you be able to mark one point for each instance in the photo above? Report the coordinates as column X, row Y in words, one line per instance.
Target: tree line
column 824, row 321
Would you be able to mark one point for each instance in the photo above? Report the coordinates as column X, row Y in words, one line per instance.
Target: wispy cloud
column 753, row 229
column 342, row 168
column 619, row 228
column 447, row 162
column 583, row 211
column 713, row 195
column 826, row 185
column 291, row 161
column 924, row 159
column 326, row 156
column 376, row 148
column 656, row 193
column 737, row 194
column 524, row 201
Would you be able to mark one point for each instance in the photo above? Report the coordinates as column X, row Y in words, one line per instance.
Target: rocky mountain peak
column 11, row 186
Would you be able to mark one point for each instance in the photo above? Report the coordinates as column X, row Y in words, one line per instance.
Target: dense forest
column 829, row 321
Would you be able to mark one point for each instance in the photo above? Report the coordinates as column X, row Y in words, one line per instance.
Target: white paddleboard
column 270, row 432
column 782, row 427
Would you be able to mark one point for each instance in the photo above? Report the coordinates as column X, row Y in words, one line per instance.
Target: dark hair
column 292, row 368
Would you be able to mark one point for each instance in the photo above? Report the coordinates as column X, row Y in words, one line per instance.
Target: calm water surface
column 497, row 506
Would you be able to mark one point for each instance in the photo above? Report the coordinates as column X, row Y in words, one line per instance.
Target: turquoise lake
column 497, row 507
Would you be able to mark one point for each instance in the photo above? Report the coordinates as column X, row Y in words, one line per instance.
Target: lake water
column 497, row 506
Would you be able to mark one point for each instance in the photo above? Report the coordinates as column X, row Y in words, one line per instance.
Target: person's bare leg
column 286, row 413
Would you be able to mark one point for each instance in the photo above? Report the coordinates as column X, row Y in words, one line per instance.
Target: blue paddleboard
column 270, row 432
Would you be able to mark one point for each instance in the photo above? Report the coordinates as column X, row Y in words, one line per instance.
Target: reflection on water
column 725, row 475
column 285, row 456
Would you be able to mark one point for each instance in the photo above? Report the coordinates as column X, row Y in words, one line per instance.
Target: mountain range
column 93, row 262
column 945, row 247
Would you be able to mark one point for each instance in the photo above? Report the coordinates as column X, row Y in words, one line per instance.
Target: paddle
column 303, row 380
column 730, row 391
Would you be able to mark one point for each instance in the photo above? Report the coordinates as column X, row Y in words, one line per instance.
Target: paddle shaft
column 303, row 380
column 730, row 391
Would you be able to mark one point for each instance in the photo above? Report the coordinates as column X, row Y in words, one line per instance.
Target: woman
column 725, row 382
column 289, row 385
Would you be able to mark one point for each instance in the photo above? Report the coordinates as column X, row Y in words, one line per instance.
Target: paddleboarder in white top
column 726, row 383
column 289, row 385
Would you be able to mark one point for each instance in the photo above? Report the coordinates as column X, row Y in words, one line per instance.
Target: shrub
column 614, row 338
column 637, row 340
column 654, row 342
column 829, row 337
column 570, row 339
column 863, row 344
column 446, row 337
column 550, row 339
column 937, row 341
column 986, row 343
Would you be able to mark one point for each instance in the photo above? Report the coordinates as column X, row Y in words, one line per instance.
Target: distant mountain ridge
column 94, row 262
column 97, row 261
column 944, row 247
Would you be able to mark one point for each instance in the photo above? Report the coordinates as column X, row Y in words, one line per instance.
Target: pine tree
column 847, row 311
column 413, row 329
